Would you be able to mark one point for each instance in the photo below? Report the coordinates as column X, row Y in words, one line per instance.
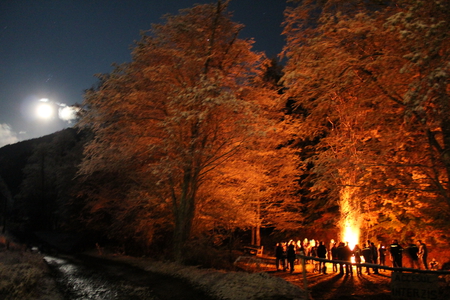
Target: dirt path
column 339, row 287
column 335, row 286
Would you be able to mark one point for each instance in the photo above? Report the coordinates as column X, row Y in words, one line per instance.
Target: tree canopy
column 173, row 119
column 370, row 82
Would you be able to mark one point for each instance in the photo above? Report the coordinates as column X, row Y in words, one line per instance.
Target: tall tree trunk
column 258, row 224
column 445, row 155
column 184, row 214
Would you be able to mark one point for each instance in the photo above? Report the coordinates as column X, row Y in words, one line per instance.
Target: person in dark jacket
column 413, row 254
column 396, row 254
column 344, row 254
column 322, row 253
column 334, row 256
column 340, row 252
column 348, row 258
column 374, row 250
column 367, row 254
column 357, row 252
column 279, row 256
column 291, row 256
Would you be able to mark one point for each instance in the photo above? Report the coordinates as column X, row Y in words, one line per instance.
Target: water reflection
column 78, row 281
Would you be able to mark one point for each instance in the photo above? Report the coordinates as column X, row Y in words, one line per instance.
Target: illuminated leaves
column 169, row 123
column 371, row 82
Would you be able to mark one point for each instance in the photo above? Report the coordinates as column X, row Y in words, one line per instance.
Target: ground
column 258, row 283
column 335, row 286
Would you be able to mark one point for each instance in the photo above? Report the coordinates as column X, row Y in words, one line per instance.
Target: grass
column 24, row 274
column 20, row 274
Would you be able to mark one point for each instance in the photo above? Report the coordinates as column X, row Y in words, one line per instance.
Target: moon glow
column 44, row 111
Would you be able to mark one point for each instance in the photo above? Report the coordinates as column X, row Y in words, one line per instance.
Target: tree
column 7, row 202
column 351, row 75
column 165, row 122
column 47, row 188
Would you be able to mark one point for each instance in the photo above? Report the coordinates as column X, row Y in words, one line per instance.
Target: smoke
column 7, row 136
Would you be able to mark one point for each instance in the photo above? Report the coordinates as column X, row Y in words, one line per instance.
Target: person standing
column 322, row 253
column 413, row 251
column 284, row 257
column 357, row 253
column 334, row 256
column 423, row 253
column 291, row 256
column 382, row 254
column 396, row 254
column 367, row 254
column 374, row 251
column 332, row 243
column 340, row 252
column 348, row 258
column 279, row 256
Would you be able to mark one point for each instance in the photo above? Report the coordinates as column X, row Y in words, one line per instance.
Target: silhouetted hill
column 39, row 176
column 13, row 159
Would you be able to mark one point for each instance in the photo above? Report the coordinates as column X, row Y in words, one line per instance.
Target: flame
column 350, row 233
column 350, row 217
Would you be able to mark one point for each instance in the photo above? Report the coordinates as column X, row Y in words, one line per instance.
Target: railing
column 254, row 250
column 376, row 266
column 261, row 264
column 258, row 263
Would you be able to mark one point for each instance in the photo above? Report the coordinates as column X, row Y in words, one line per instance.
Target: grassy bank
column 24, row 275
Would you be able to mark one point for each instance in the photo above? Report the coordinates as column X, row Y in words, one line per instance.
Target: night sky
column 52, row 49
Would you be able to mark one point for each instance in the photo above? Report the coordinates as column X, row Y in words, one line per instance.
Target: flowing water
column 84, row 277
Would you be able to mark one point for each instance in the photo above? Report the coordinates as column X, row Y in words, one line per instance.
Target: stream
column 86, row 277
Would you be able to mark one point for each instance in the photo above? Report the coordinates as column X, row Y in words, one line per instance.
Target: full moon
column 44, row 111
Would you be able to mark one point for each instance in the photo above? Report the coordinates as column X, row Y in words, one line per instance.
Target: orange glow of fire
column 350, row 220
column 350, row 235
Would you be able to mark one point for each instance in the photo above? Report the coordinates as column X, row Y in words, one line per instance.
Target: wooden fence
column 261, row 264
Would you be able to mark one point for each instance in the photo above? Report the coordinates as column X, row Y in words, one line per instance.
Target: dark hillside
column 39, row 175
column 13, row 159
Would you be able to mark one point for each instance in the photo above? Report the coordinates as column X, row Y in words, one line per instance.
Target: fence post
column 305, row 281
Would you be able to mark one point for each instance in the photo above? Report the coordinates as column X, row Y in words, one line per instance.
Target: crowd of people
column 417, row 254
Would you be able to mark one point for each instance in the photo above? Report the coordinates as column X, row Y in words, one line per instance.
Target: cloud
column 7, row 136
column 67, row 113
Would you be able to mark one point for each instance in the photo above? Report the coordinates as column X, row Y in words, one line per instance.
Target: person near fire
column 340, row 252
column 291, row 256
column 395, row 251
column 413, row 254
column 334, row 256
column 322, row 253
column 357, row 252
column 279, row 256
column 344, row 254
column 348, row 258
column 423, row 253
column 434, row 265
column 374, row 250
column 367, row 254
